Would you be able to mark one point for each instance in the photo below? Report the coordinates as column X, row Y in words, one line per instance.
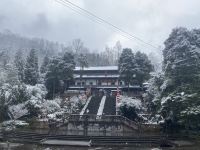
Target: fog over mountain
column 150, row 20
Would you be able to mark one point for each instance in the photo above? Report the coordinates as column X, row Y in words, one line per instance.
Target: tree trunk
column 128, row 89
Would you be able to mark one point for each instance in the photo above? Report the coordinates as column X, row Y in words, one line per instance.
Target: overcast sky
column 150, row 20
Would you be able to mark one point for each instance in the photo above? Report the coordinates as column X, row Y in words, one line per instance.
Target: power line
column 96, row 20
column 106, row 22
column 89, row 17
column 101, row 21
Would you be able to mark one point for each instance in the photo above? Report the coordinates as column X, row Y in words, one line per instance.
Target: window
column 78, row 83
column 112, row 83
column 99, row 83
column 91, row 83
column 83, row 83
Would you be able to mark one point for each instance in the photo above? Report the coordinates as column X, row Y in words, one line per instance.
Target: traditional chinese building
column 104, row 77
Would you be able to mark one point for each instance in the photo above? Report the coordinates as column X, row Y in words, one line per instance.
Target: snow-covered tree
column 19, row 64
column 153, row 94
column 182, row 56
column 10, row 74
column 59, row 74
column 144, row 67
column 182, row 69
column 18, row 94
column 12, row 95
column 68, row 68
column 31, row 71
column 130, row 107
column 4, row 58
column 176, row 95
column 43, row 68
column 127, row 66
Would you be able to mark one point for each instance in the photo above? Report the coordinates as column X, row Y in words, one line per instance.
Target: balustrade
column 103, row 118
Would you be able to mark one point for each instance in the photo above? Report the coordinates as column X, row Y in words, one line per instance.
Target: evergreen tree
column 4, row 58
column 19, row 64
column 68, row 64
column 59, row 74
column 179, row 93
column 144, row 67
column 31, row 68
column 3, row 108
column 127, row 66
column 19, row 94
column 182, row 56
column 11, row 75
column 43, row 68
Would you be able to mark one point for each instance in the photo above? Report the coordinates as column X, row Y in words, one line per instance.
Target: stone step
column 110, row 106
column 93, row 105
column 95, row 140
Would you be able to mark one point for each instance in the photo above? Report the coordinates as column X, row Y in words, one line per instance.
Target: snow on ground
column 11, row 124
column 78, row 100
column 157, row 119
column 50, row 106
column 18, row 111
column 55, row 109
column 195, row 110
column 33, row 102
column 37, row 92
column 86, row 105
column 101, row 106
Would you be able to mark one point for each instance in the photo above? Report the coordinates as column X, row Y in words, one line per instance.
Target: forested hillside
column 174, row 93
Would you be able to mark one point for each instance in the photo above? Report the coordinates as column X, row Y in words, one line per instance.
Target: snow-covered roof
column 104, row 86
column 97, row 76
column 99, row 68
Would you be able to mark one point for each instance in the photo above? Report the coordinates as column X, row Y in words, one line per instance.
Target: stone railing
column 103, row 119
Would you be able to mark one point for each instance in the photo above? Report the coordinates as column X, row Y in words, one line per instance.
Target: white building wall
column 87, row 81
column 95, row 82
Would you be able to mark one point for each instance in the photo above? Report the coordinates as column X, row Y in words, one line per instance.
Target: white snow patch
column 101, row 106
column 18, row 110
column 84, row 108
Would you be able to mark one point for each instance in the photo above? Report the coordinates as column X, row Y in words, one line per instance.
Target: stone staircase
column 110, row 106
column 93, row 105
column 101, row 110
column 37, row 138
